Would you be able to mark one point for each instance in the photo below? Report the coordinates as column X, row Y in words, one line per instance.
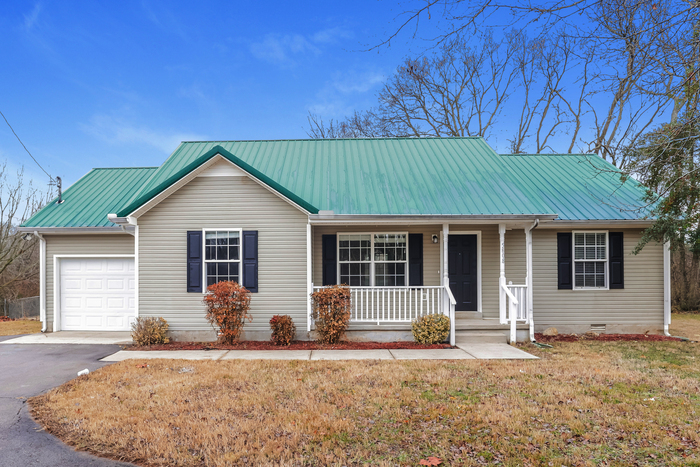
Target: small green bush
column 149, row 331
column 430, row 329
column 283, row 329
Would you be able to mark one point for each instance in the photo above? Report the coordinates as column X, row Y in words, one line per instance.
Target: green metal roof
column 415, row 176
column 88, row 201
column 393, row 176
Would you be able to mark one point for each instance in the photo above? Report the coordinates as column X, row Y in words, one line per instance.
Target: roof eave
column 425, row 218
column 74, row 230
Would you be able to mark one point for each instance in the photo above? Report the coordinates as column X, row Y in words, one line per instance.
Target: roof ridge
column 123, row 168
column 405, row 138
column 550, row 154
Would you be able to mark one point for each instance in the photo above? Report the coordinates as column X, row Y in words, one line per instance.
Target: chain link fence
column 22, row 308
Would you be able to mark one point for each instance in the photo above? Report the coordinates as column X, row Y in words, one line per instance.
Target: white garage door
column 97, row 294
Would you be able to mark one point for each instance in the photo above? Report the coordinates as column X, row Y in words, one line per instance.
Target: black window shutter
column 329, row 253
column 617, row 260
column 564, row 261
column 415, row 259
column 250, row 260
column 194, row 261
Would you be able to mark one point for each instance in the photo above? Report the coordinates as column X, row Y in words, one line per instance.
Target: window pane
column 222, row 252
column 600, row 280
column 579, row 268
column 344, row 254
column 600, row 239
column 590, row 238
column 588, row 280
column 210, row 252
column 578, row 252
column 578, row 239
column 579, row 280
column 210, row 238
column 600, row 252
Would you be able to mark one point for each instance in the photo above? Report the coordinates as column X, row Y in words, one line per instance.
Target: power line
column 25, row 147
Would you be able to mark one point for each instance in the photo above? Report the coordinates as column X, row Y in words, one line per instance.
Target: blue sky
column 112, row 84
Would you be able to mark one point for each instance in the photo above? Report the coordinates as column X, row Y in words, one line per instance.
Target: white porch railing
column 520, row 293
column 394, row 304
column 516, row 307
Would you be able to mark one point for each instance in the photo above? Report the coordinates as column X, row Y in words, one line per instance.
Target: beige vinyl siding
column 641, row 302
column 86, row 244
column 220, row 203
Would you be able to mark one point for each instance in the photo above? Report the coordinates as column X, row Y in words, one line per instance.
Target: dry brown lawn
column 583, row 403
column 20, row 326
column 686, row 325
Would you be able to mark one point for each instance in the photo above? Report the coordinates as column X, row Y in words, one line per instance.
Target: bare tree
column 19, row 265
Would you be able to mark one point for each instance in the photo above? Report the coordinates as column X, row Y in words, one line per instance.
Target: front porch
column 479, row 275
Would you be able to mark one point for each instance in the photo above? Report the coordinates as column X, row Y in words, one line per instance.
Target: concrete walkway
column 466, row 352
column 74, row 337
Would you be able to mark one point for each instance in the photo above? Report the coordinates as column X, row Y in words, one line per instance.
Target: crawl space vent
column 599, row 328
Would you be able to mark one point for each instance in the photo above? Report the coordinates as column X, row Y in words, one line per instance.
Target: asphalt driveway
column 25, row 371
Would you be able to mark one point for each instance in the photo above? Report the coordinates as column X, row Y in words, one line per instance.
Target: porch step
column 484, row 325
column 467, row 315
column 481, row 337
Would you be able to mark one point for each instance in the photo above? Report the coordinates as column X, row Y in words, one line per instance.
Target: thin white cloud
column 31, row 18
column 115, row 130
column 348, row 83
column 331, row 35
column 280, row 50
column 346, row 92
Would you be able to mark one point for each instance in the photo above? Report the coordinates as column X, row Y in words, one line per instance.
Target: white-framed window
column 367, row 259
column 591, row 260
column 222, row 255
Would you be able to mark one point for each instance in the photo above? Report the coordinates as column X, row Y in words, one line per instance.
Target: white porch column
column 309, row 282
column 502, row 277
column 445, row 256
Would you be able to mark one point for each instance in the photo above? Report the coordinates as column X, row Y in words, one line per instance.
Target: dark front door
column 462, row 270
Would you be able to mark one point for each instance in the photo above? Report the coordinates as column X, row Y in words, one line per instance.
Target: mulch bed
column 5, row 318
column 297, row 345
column 603, row 337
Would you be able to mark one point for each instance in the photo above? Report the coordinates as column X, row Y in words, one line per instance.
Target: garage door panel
column 97, row 294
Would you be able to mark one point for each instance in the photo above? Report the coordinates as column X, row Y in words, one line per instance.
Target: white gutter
column 42, row 280
column 123, row 223
column 324, row 217
column 70, row 230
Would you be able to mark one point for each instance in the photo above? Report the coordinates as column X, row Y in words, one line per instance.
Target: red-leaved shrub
column 227, row 309
column 283, row 329
column 331, row 308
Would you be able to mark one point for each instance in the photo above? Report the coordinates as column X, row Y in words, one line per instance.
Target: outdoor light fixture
column 435, row 238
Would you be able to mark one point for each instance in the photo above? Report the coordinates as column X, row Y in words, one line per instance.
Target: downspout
column 42, row 280
column 530, row 281
column 667, row 292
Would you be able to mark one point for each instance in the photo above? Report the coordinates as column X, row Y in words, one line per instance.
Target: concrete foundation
column 609, row 328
